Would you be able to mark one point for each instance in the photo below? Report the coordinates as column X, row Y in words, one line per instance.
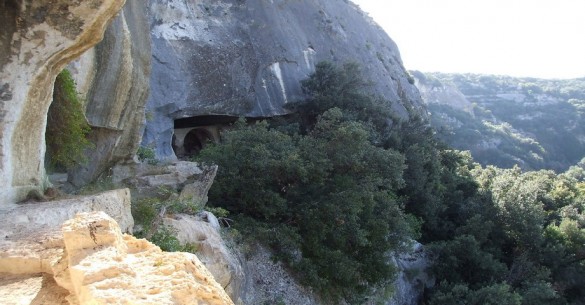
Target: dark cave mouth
column 192, row 134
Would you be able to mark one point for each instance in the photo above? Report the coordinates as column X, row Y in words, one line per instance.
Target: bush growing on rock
column 67, row 127
column 326, row 198
column 149, row 212
column 330, row 194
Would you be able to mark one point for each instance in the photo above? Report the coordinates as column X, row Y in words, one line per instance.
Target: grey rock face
column 412, row 276
column 212, row 250
column 247, row 58
column 433, row 91
column 269, row 282
column 116, row 91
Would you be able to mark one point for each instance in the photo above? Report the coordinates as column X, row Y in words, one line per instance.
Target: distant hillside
column 503, row 121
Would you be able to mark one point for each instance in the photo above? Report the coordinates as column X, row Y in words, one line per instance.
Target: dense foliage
column 66, row 125
column 325, row 198
column 337, row 187
column 519, row 239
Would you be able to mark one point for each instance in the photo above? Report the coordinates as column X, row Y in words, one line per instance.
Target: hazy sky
column 537, row 38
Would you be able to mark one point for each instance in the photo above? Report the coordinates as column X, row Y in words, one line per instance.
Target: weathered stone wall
column 37, row 40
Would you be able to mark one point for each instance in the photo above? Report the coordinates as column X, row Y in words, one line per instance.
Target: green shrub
column 333, row 182
column 67, row 127
column 165, row 237
column 146, row 154
column 144, row 212
column 146, row 217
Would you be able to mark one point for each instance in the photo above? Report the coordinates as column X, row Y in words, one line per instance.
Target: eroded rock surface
column 247, row 58
column 412, row 278
column 38, row 38
column 202, row 231
column 106, row 267
column 90, row 261
column 31, row 239
column 191, row 179
column 269, row 282
column 36, row 289
column 113, row 80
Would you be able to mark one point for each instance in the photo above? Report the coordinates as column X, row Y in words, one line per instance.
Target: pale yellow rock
column 108, row 268
column 35, row 289
column 31, row 238
column 90, row 261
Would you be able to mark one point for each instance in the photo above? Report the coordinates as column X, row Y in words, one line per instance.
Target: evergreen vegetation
column 519, row 238
column 337, row 187
column 67, row 127
column 325, row 199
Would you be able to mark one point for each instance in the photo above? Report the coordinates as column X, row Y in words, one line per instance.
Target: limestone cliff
column 433, row 91
column 194, row 58
column 113, row 80
column 37, row 40
column 247, row 58
column 208, row 58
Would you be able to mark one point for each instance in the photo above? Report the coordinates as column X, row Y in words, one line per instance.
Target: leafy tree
column 462, row 260
column 345, row 88
column 332, row 187
column 257, row 167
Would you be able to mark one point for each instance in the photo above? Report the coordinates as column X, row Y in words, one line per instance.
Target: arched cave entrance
column 192, row 134
column 195, row 140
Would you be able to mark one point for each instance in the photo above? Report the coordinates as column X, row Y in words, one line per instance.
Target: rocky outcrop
column 433, row 91
column 202, row 231
column 90, row 261
column 208, row 58
column 247, row 58
column 189, row 178
column 113, row 79
column 31, row 232
column 269, row 281
column 39, row 215
column 37, row 40
column 412, row 278
column 104, row 267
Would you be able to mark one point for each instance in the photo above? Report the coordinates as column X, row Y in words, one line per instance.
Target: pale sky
column 535, row 38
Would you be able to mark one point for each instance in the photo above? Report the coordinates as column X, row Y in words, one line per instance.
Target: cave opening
column 192, row 134
column 196, row 140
